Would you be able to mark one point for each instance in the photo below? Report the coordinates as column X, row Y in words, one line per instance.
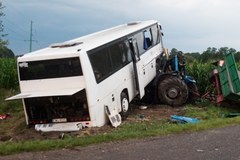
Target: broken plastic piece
column 114, row 117
column 230, row 115
column 143, row 107
column 4, row 116
column 183, row 119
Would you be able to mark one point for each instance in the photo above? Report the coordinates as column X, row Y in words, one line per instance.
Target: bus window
column 155, row 34
column 147, row 38
column 140, row 40
column 109, row 59
column 55, row 68
column 120, row 54
column 101, row 63
column 127, row 51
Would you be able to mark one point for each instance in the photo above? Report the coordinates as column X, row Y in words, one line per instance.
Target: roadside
column 21, row 132
column 214, row 144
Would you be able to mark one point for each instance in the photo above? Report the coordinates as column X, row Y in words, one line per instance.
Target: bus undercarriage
column 56, row 109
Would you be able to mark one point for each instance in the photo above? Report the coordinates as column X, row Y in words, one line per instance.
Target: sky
column 188, row 25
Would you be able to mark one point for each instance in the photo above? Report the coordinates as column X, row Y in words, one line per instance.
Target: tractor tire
column 172, row 91
column 193, row 94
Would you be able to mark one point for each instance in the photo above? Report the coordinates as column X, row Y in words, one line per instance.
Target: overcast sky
column 188, row 25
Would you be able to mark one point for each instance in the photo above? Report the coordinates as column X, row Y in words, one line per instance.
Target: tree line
column 209, row 55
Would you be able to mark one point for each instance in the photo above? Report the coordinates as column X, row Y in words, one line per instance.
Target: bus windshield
column 54, row 68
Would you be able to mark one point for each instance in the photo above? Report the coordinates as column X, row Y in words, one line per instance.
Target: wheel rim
column 172, row 93
column 125, row 104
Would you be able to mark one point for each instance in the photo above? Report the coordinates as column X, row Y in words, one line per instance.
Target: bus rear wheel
column 124, row 105
column 172, row 91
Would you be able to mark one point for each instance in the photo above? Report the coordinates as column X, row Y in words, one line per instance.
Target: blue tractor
column 172, row 85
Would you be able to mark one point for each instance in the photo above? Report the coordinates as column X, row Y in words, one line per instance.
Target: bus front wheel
column 124, row 105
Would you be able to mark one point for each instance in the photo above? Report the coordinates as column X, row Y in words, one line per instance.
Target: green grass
column 206, row 111
column 8, row 73
column 211, row 117
column 127, row 131
column 9, row 106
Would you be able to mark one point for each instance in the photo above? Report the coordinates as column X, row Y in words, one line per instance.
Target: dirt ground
column 138, row 112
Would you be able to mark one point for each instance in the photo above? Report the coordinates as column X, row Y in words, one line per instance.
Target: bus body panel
column 94, row 94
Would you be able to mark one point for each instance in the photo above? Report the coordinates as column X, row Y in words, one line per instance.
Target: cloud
column 191, row 25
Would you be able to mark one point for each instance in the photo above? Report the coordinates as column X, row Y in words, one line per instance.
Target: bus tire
column 172, row 91
column 124, row 105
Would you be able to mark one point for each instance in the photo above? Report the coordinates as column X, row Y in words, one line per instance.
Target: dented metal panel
column 63, row 92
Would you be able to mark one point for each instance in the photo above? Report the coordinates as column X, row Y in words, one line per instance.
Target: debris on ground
column 4, row 116
column 143, row 107
column 183, row 119
column 230, row 115
column 114, row 117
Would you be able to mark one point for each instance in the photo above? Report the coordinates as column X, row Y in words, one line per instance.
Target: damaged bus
column 73, row 82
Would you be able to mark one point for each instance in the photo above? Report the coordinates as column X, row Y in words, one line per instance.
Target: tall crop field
column 200, row 72
column 8, row 73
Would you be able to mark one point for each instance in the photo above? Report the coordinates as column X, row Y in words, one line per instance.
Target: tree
column 221, row 52
column 209, row 54
column 173, row 51
column 191, row 57
column 237, row 56
column 6, row 52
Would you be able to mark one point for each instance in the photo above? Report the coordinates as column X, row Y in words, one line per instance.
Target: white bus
column 73, row 81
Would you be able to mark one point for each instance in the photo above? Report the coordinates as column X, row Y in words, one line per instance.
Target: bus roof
column 85, row 43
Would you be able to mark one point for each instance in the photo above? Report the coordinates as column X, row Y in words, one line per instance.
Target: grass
column 127, row 131
column 211, row 117
column 8, row 73
column 15, row 124
column 9, row 106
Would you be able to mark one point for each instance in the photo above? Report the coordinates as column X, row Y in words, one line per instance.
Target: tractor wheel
column 124, row 105
column 193, row 92
column 172, row 91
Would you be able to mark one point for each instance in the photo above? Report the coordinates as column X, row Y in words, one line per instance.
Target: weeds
column 8, row 73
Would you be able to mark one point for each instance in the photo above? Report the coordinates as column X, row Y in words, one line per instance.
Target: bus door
column 138, row 71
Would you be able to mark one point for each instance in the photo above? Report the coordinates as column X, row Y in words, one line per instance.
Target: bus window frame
column 107, row 47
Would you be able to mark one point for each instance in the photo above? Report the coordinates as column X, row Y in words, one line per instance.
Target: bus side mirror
column 160, row 27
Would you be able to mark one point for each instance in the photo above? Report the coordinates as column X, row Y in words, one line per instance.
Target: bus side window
column 127, row 51
column 155, row 34
column 117, row 55
column 101, row 63
column 147, row 38
column 120, row 54
column 140, row 41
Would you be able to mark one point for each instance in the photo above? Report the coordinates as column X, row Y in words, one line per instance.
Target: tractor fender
column 162, row 76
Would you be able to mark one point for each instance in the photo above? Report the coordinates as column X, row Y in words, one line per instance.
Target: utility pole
column 31, row 37
column 30, row 47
